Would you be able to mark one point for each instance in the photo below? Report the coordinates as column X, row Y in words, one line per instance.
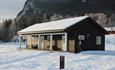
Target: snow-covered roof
column 53, row 25
column 110, row 28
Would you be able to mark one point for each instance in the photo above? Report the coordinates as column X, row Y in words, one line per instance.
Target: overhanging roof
column 53, row 26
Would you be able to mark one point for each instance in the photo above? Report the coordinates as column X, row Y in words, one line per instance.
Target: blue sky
column 10, row 8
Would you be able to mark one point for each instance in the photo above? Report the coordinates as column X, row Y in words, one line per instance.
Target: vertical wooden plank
column 62, row 62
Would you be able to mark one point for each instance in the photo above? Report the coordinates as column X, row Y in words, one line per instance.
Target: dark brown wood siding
column 90, row 30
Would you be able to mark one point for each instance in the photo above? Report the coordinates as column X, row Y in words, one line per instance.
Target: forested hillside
column 37, row 11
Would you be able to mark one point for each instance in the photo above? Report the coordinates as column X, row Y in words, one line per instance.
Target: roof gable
column 85, row 25
column 98, row 25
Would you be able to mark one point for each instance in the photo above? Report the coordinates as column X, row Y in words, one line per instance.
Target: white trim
column 30, row 41
column 26, row 42
column 64, row 42
column 38, row 41
column 41, row 42
column 50, row 34
column 19, row 41
column 51, row 38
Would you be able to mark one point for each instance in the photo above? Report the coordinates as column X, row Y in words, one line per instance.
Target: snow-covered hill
column 12, row 58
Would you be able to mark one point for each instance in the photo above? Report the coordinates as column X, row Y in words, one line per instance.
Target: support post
column 20, row 41
column 42, row 42
column 30, row 41
column 38, row 41
column 65, row 39
column 51, row 41
column 26, row 41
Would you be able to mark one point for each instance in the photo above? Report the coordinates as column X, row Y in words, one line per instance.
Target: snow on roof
column 53, row 25
column 110, row 28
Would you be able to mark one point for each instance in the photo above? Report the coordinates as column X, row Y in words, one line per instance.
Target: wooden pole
column 62, row 62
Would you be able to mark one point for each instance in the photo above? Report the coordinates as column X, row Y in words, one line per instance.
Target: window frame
column 81, row 37
column 98, row 40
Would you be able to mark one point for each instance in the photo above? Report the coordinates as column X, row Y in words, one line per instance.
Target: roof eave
column 39, row 32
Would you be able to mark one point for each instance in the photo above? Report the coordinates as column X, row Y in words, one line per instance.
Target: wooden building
column 73, row 35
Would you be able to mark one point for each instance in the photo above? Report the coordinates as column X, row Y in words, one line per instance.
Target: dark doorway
column 57, row 42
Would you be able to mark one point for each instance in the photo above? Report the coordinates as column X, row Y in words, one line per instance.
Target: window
column 98, row 40
column 81, row 37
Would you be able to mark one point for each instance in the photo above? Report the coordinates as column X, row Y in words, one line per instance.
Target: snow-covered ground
column 12, row 58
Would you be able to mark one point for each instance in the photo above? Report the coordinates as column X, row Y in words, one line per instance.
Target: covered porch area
column 46, row 41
